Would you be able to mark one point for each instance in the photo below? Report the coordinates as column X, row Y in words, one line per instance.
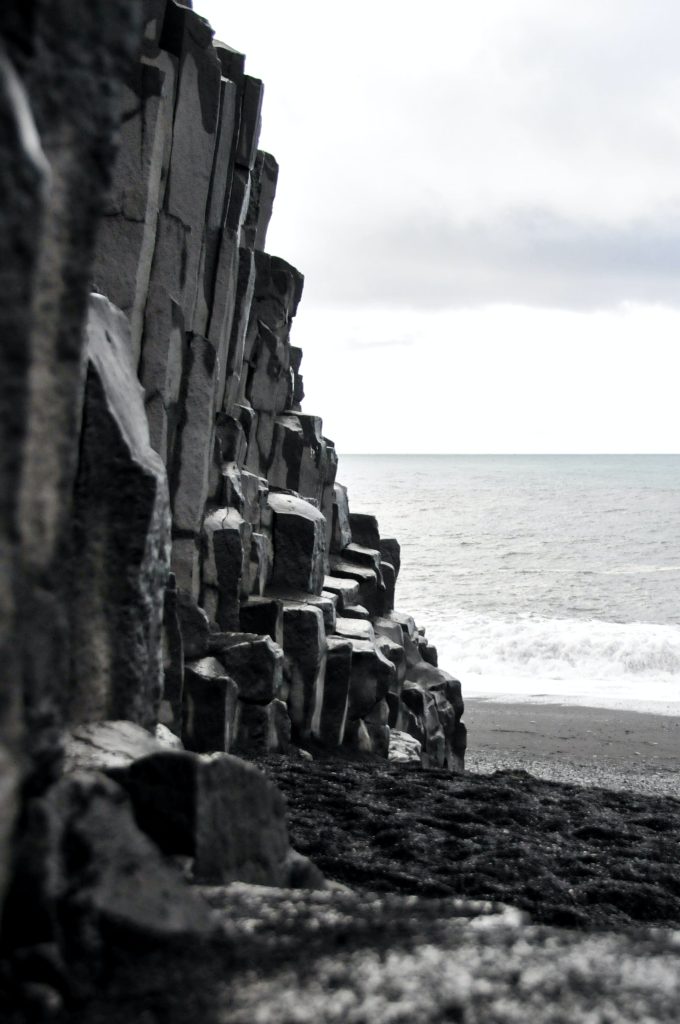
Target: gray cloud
column 526, row 255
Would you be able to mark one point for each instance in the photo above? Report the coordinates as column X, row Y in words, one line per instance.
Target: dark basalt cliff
column 182, row 578
column 186, row 599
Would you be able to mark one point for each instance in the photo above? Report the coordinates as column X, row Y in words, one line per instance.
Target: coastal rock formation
column 204, row 315
column 183, row 581
column 180, row 566
column 182, row 578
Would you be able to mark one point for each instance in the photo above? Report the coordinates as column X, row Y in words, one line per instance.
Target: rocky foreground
column 567, row 855
column 587, row 930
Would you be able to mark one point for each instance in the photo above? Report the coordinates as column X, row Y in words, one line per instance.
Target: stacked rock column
column 279, row 613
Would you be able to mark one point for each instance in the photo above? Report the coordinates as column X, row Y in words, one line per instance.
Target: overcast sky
column 485, row 202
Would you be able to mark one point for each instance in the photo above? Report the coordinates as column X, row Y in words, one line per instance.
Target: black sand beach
column 616, row 749
column 569, row 813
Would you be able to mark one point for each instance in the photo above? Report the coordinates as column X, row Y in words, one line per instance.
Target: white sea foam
column 538, row 575
column 583, row 661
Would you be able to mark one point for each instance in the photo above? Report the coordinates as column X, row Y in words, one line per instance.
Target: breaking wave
column 638, row 657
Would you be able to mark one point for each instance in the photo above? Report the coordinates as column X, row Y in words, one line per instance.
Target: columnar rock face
column 175, row 549
column 264, row 542
column 62, row 68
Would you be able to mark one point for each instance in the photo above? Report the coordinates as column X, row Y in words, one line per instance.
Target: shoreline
column 608, row 747
column 657, row 707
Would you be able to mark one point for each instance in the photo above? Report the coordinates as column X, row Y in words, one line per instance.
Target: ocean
column 545, row 578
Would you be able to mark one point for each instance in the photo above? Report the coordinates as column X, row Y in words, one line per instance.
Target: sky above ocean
column 485, row 202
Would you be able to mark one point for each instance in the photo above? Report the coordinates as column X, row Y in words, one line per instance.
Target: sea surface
column 538, row 577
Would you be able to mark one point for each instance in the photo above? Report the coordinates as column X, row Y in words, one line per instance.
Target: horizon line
column 519, row 454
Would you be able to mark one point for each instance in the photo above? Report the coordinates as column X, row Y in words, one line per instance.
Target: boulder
column 335, row 692
column 219, row 810
column 262, row 728
column 423, row 705
column 403, row 748
column 121, row 528
column 96, row 884
column 299, row 552
column 342, row 531
column 365, row 530
column 304, row 645
column 371, row 679
column 209, row 708
column 254, row 662
column 99, row 746
column 436, row 679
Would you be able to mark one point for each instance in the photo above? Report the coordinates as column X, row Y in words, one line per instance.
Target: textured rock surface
column 121, row 534
column 209, row 711
column 157, row 426
column 61, row 80
column 218, row 810
column 98, row 888
column 98, row 746
column 568, row 855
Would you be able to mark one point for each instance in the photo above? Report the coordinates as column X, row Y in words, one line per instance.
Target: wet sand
column 611, row 748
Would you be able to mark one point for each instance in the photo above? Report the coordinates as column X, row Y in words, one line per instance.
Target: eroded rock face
column 121, row 536
column 100, row 889
column 220, row 811
column 209, row 707
column 299, row 550
column 157, row 426
column 61, row 80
